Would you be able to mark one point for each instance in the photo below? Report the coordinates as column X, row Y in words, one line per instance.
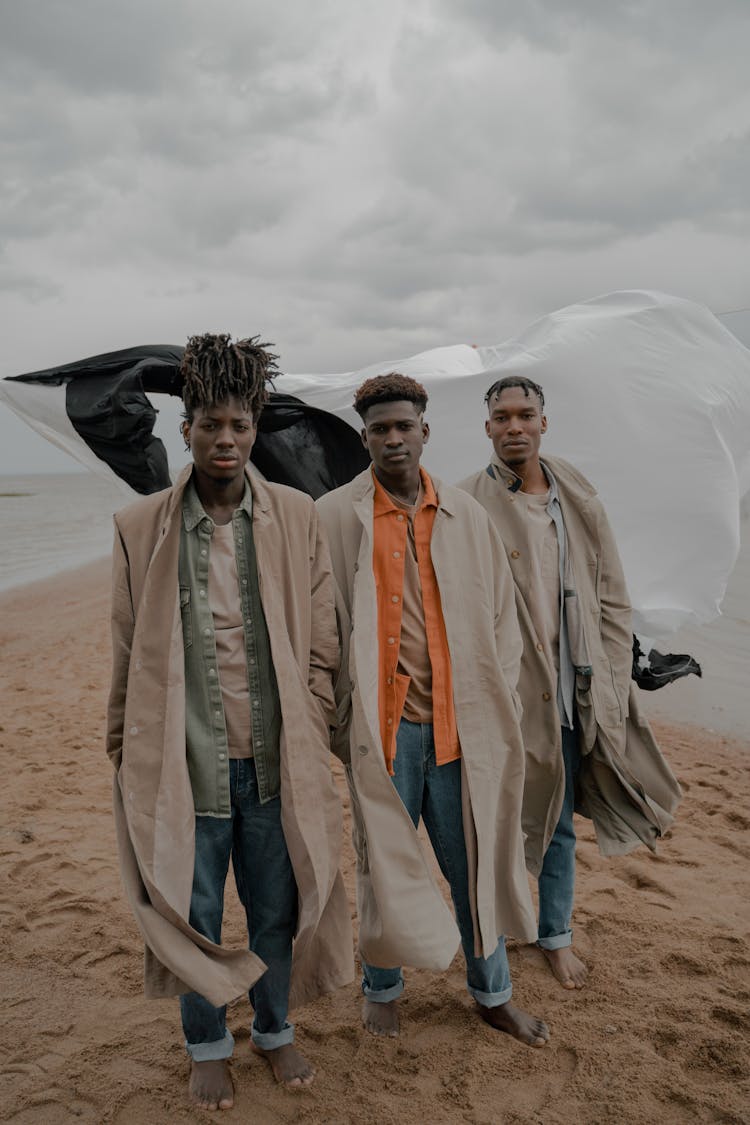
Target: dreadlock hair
column 528, row 386
column 392, row 387
column 214, row 369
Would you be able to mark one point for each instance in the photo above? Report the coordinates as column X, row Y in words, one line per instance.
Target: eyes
column 525, row 416
column 378, row 428
column 210, row 426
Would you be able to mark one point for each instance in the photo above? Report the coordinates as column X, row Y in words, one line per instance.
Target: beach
column 660, row 1033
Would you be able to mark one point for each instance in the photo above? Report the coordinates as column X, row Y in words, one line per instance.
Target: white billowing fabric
column 648, row 395
column 42, row 407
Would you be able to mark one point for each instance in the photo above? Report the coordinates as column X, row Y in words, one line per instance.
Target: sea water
column 53, row 522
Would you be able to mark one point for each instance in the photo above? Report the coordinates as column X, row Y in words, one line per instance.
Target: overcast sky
column 357, row 181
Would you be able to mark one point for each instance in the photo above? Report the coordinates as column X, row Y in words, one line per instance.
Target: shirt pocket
column 186, row 614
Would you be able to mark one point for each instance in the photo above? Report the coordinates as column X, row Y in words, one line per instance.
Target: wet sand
column 660, row 1033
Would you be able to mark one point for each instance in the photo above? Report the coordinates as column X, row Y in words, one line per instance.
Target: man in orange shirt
column 428, row 718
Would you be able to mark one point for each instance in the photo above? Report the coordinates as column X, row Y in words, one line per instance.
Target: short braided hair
column 528, row 386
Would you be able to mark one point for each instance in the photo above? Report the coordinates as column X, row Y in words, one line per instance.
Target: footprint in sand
column 637, row 878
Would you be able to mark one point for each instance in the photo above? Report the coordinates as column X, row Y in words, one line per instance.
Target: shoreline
column 659, row 1033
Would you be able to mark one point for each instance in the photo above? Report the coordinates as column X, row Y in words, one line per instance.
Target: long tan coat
column 153, row 801
column 403, row 916
column 625, row 785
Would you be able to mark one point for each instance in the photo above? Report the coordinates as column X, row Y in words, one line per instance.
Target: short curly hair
column 392, row 387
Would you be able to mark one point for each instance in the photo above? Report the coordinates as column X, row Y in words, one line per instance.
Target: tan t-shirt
column 231, row 656
column 545, row 572
column 413, row 654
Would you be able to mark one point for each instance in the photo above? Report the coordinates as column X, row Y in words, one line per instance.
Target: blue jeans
column 434, row 792
column 558, row 874
column 254, row 839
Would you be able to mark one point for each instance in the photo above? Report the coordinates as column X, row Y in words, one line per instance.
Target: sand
column 659, row 1035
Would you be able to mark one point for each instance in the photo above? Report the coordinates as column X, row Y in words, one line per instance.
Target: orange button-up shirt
column 390, row 534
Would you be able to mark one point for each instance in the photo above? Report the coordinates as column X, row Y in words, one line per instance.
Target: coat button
column 515, row 554
column 363, row 750
column 546, row 696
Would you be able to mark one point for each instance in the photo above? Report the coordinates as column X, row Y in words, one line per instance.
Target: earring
column 185, row 438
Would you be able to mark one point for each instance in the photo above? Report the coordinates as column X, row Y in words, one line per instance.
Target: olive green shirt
column 205, row 724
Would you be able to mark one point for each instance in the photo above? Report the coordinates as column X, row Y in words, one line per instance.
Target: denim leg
column 206, row 1034
column 384, row 985
column 488, row 979
column 557, row 878
column 268, row 892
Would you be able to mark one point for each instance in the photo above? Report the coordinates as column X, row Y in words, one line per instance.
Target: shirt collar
column 193, row 511
column 384, row 504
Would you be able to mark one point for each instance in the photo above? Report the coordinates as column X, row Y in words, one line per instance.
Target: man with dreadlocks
column 586, row 746
column 429, row 719
column 225, row 648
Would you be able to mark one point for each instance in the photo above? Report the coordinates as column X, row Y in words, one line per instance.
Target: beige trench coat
column 153, row 800
column 625, row 785
column 403, row 916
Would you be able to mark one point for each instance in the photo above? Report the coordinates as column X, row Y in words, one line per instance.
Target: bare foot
column 508, row 1018
column 381, row 1019
column 289, row 1067
column 211, row 1084
column 568, row 969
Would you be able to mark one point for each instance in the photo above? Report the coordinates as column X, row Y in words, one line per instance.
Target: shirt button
column 138, row 665
column 397, row 554
column 540, row 646
column 512, row 499
column 389, row 680
column 204, row 552
column 546, row 696
column 251, row 660
column 391, row 640
column 256, row 703
column 244, row 581
column 363, row 750
column 400, row 518
column 134, row 730
column 202, row 593
column 389, row 722
column 212, row 671
column 206, row 632
column 394, row 597
column 222, row 757
column 248, row 620
column 217, row 714
column 515, row 554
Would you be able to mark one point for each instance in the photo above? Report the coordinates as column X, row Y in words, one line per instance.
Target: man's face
column 221, row 438
column 515, row 426
column 394, row 435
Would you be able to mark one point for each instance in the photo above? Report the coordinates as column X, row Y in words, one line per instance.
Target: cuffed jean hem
column 271, row 1040
column 209, row 1052
column 557, row 941
column 384, row 995
column 491, row 999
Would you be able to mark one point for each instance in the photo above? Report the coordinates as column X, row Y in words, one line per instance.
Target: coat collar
column 563, row 478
